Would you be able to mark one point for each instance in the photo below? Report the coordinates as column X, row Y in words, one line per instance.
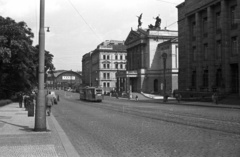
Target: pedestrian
column 20, row 99
column 136, row 97
column 49, row 103
column 215, row 98
column 117, row 95
column 25, row 100
column 179, row 97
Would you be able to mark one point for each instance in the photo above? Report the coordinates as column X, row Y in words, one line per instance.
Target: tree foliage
column 18, row 58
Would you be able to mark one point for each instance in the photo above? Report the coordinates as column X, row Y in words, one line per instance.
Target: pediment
column 132, row 36
column 106, row 62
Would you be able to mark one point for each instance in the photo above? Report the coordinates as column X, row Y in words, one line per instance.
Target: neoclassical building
column 209, row 45
column 144, row 62
column 101, row 65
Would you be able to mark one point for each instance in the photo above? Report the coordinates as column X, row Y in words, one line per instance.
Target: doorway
column 155, row 86
column 133, row 83
column 234, row 78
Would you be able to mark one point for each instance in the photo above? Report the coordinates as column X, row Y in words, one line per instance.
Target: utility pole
column 40, row 116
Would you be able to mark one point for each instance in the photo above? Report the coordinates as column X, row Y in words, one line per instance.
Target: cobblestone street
column 99, row 129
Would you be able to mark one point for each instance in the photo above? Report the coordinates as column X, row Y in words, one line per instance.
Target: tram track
column 191, row 120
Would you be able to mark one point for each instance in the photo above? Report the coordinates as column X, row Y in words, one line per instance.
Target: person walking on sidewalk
column 49, row 103
column 20, row 99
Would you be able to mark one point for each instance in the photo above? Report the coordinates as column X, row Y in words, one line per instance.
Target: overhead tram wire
column 167, row 2
column 172, row 24
column 84, row 20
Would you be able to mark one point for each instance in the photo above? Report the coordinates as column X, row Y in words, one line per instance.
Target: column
column 142, row 57
column 238, row 21
column 211, row 50
column 226, row 71
column 198, row 51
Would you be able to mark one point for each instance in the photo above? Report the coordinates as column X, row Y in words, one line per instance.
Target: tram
column 91, row 94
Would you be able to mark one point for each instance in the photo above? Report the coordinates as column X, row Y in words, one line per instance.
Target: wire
column 84, row 20
column 167, row 2
column 172, row 23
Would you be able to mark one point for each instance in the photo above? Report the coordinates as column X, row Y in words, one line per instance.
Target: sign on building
column 68, row 77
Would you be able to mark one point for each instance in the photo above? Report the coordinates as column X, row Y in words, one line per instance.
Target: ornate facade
column 101, row 65
column 144, row 64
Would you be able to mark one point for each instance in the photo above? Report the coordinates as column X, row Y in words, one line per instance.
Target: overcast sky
column 78, row 26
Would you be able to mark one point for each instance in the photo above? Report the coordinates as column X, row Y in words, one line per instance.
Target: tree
column 18, row 58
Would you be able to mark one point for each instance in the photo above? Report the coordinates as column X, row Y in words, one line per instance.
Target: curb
column 70, row 150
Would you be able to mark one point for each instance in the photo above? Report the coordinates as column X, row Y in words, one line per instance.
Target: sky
column 78, row 26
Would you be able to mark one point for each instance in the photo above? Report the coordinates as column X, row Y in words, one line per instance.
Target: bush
column 4, row 102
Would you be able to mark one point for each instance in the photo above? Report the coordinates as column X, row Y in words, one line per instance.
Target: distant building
column 86, row 69
column 209, row 45
column 144, row 62
column 63, row 79
column 101, row 65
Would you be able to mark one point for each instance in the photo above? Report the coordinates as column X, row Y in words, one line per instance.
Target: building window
column 108, row 75
column 234, row 45
column 219, row 78
column 108, row 84
column 116, row 57
column 205, row 27
column 194, row 51
column 121, row 57
column 205, row 78
column 108, row 57
column 104, row 56
column 219, row 49
column 108, row 66
column 194, row 31
column 205, row 51
column 218, row 22
column 121, row 66
column 104, row 84
column 104, row 66
column 104, row 75
column 233, row 16
column 176, row 56
column 194, row 79
column 116, row 66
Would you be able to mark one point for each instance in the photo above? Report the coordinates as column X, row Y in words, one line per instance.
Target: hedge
column 4, row 102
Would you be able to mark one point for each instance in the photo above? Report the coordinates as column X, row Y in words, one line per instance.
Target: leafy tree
column 18, row 58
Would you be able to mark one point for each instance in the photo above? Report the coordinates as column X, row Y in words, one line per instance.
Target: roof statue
column 157, row 23
column 139, row 20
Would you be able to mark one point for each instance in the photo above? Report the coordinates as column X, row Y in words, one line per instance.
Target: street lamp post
column 164, row 56
column 40, row 117
column 71, row 79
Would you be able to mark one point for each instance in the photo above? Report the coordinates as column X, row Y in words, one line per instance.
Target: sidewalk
column 150, row 98
column 17, row 138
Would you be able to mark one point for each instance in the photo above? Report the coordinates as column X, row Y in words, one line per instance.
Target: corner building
column 101, row 65
column 209, row 46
